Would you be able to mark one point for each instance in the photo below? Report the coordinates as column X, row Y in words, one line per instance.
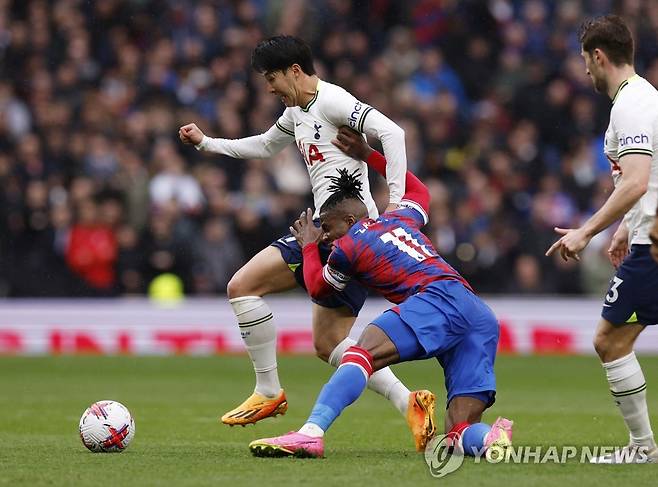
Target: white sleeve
column 345, row 109
column 391, row 136
column 634, row 131
column 260, row 146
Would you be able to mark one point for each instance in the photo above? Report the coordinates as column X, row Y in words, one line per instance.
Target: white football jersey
column 633, row 129
column 312, row 129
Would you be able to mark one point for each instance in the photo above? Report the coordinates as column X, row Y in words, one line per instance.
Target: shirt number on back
column 407, row 244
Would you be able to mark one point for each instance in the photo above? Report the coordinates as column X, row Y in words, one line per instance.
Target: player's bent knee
column 609, row 347
column 330, row 327
column 600, row 343
column 322, row 353
column 324, row 345
column 235, row 287
column 239, row 286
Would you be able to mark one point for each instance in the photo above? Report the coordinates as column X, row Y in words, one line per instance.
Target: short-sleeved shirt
column 633, row 129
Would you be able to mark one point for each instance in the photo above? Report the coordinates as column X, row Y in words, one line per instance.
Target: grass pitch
column 176, row 403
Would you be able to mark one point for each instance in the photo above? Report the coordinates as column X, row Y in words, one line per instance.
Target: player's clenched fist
column 190, row 134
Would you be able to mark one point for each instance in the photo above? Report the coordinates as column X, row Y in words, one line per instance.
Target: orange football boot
column 255, row 408
column 420, row 417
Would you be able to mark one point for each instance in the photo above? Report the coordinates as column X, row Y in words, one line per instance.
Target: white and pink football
column 107, row 426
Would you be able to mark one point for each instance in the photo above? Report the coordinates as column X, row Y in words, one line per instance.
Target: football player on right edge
column 631, row 304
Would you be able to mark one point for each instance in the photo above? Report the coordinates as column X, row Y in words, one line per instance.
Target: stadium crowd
column 98, row 196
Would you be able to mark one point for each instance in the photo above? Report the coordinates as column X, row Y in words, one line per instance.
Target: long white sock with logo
column 383, row 382
column 629, row 391
column 259, row 335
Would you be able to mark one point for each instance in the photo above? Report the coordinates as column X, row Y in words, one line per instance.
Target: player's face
column 334, row 225
column 281, row 84
column 595, row 72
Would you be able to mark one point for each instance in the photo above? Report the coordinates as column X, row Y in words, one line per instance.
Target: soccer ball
column 107, row 426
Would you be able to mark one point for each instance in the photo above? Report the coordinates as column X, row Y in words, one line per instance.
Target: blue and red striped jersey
column 389, row 255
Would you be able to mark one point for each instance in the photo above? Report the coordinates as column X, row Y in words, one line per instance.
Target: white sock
column 383, row 382
column 629, row 390
column 259, row 336
column 311, row 429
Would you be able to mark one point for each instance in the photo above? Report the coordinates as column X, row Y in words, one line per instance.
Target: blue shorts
column 633, row 293
column 449, row 322
column 353, row 296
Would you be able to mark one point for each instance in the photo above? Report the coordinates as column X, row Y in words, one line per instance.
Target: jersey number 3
column 407, row 244
column 314, row 155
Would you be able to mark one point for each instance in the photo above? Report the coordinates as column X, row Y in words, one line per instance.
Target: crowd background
column 98, row 196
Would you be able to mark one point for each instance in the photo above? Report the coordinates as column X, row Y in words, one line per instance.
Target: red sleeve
column 416, row 190
column 316, row 286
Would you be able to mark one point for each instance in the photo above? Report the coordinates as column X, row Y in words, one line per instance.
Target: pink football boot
column 288, row 445
column 499, row 438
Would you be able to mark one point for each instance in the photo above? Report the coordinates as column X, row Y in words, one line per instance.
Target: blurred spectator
column 172, row 183
column 500, row 118
column 130, row 265
column 220, row 255
column 166, row 247
column 91, row 252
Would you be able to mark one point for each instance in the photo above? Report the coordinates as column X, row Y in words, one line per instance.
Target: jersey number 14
column 314, row 155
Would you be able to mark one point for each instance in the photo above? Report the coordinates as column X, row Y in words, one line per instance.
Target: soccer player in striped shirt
column 437, row 314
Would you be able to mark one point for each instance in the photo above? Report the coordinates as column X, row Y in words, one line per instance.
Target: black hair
column 280, row 52
column 610, row 34
column 344, row 186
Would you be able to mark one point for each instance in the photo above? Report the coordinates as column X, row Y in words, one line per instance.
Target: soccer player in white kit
column 631, row 304
column 314, row 111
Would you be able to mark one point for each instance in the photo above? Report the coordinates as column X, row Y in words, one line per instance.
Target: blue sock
column 473, row 439
column 344, row 387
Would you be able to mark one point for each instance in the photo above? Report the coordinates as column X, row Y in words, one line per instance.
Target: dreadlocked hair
column 344, row 186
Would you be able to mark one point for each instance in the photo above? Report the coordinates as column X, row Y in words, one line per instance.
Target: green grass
column 175, row 402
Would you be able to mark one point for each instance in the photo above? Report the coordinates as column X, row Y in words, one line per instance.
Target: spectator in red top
column 92, row 250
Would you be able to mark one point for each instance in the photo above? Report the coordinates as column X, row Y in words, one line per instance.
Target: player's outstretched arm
column 353, row 144
column 255, row 147
column 636, row 169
